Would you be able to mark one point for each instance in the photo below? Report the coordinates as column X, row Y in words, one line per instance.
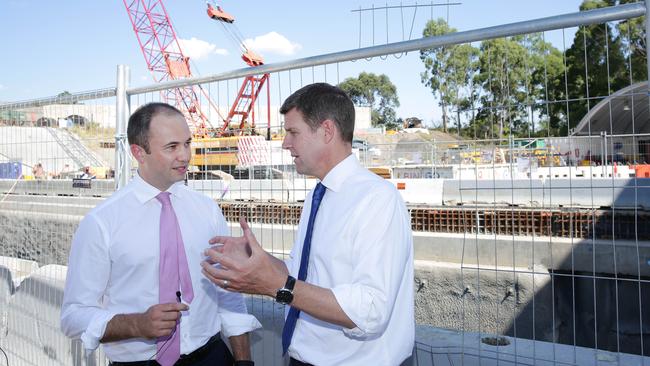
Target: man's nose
column 185, row 153
column 285, row 143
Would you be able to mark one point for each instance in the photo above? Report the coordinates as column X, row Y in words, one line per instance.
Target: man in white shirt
column 112, row 288
column 355, row 304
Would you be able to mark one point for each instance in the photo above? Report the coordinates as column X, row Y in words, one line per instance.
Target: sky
column 76, row 45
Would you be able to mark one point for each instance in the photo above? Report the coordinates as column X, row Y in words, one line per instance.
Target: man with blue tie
column 134, row 282
column 349, row 277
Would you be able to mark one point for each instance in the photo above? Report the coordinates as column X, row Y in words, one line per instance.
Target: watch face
column 284, row 296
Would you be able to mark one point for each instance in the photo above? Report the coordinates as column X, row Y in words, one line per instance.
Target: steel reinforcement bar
column 567, row 223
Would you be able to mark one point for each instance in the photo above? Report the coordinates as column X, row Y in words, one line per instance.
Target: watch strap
column 291, row 282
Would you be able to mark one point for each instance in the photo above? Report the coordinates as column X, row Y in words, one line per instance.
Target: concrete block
column 6, row 290
column 18, row 268
column 34, row 336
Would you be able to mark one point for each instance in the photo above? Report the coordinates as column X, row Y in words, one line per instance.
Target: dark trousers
column 294, row 362
column 213, row 353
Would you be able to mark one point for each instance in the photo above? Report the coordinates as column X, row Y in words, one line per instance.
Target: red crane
column 242, row 111
column 166, row 61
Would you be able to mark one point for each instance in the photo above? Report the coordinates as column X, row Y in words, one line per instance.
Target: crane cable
column 234, row 34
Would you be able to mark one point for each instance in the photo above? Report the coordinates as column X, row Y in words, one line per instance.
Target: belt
column 187, row 359
column 294, row 362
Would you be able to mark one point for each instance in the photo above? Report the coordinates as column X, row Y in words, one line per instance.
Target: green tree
column 504, row 68
column 65, row 97
column 448, row 71
column 376, row 92
column 515, row 76
column 547, row 84
column 596, row 66
column 632, row 35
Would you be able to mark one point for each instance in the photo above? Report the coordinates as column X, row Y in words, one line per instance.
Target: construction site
column 529, row 250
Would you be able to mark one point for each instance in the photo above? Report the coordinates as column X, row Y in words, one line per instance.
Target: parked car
column 361, row 145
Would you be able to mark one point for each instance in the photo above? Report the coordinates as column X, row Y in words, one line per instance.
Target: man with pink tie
column 134, row 279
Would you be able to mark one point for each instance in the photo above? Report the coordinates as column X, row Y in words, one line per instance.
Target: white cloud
column 2, row 86
column 197, row 49
column 273, row 42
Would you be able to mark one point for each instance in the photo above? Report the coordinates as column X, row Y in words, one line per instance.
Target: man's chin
column 178, row 177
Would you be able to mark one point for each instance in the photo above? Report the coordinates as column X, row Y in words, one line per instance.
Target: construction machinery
column 166, row 61
column 242, row 112
column 213, row 147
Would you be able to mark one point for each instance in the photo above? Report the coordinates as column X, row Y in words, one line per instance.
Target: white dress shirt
column 113, row 269
column 361, row 249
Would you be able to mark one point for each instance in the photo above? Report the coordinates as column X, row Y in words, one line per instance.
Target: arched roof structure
column 624, row 112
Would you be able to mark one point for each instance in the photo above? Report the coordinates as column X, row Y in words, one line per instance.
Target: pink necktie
column 174, row 274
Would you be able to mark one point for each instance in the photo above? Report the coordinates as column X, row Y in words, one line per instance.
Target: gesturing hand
column 238, row 248
column 243, row 265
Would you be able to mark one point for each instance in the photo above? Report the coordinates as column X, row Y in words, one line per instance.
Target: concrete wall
column 518, row 286
column 104, row 115
column 622, row 193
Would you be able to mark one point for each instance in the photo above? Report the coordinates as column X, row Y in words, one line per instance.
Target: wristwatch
column 285, row 294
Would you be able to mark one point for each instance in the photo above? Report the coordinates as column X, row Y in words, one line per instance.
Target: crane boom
column 242, row 111
column 165, row 60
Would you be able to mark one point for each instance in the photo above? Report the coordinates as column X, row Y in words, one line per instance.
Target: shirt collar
column 340, row 173
column 145, row 192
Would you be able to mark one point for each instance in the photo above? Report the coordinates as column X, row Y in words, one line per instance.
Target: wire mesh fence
column 527, row 204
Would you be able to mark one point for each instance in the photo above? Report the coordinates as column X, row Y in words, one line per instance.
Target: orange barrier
column 642, row 170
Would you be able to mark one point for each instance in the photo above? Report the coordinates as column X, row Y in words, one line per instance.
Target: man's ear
column 138, row 152
column 329, row 127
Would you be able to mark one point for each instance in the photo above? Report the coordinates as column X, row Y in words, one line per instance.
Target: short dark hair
column 138, row 129
column 320, row 101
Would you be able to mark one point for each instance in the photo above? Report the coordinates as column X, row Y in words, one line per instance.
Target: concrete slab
column 34, row 336
column 6, row 290
column 18, row 268
column 435, row 346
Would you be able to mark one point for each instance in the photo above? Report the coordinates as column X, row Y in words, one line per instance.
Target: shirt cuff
column 234, row 324
column 96, row 329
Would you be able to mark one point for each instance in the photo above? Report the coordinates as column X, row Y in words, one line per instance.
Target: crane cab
column 218, row 14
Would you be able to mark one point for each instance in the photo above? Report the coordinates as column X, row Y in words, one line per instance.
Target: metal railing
column 519, row 284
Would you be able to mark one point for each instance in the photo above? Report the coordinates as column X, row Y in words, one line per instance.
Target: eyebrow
column 171, row 143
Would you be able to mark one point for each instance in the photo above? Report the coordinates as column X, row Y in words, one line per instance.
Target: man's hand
column 243, row 266
column 236, row 248
column 261, row 273
column 158, row 321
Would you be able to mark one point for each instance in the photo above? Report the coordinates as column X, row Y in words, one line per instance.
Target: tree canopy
column 376, row 92
column 65, row 97
column 448, row 71
column 524, row 86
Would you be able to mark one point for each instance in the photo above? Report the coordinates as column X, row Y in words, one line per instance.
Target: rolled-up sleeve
column 232, row 310
column 381, row 247
column 234, row 316
column 88, row 272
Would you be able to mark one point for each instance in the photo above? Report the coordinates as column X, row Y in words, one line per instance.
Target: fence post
column 647, row 39
column 122, row 105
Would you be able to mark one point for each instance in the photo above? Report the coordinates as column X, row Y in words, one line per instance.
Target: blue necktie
column 292, row 318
